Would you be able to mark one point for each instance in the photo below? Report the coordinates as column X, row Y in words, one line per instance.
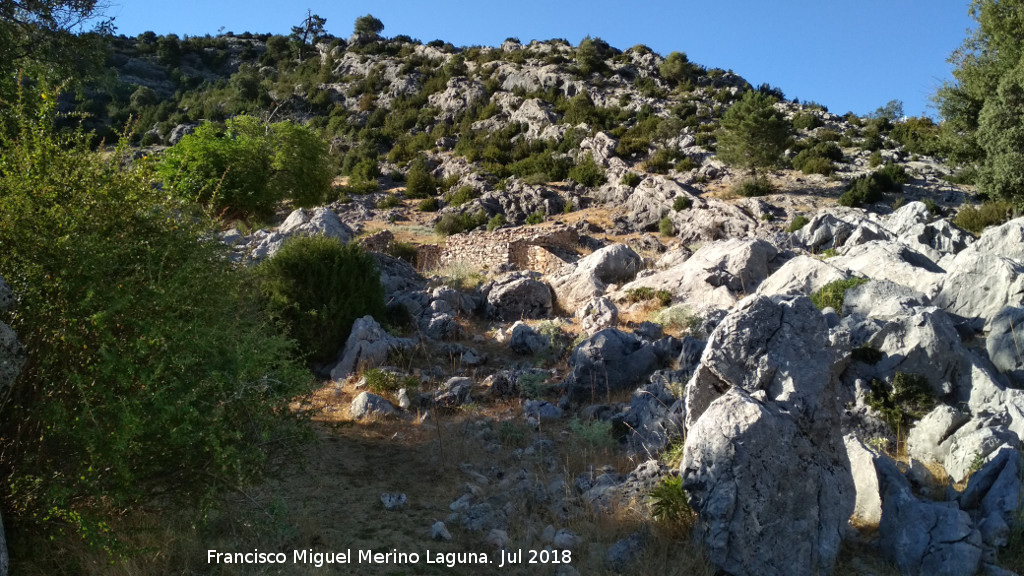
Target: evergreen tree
column 753, row 133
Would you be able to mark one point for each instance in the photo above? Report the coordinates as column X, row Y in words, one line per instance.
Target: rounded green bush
column 317, row 287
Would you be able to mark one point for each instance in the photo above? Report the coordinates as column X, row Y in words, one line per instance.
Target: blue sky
column 846, row 54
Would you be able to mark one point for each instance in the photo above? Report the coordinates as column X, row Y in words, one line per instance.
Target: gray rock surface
column 890, row 260
column 368, row 346
column 517, row 296
column 654, row 418
column 609, row 361
column 762, row 410
column 590, row 277
column 868, row 506
column 597, row 314
column 931, row 436
column 979, row 284
column 1005, row 342
column 801, row 276
column 882, row 299
column 366, row 405
column 922, row 537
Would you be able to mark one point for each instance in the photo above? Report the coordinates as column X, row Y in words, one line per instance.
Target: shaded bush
column 587, row 172
column 975, row 220
column 806, row 121
column 631, row 179
column 317, row 287
column 496, row 221
column 799, row 222
column 870, row 189
column 429, row 205
column 458, row 223
column 152, row 368
column 908, row 398
column 753, row 187
column 682, row 203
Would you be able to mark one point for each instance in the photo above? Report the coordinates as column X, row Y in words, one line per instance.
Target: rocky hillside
column 566, row 243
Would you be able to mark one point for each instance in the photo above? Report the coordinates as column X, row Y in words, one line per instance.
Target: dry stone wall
column 530, row 248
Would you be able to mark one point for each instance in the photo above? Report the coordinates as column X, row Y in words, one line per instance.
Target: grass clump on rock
column 831, row 295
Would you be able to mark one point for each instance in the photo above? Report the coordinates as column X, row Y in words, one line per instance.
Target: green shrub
column 753, row 187
column 907, row 399
column 685, row 164
column 382, row 382
column 631, row 179
column 668, row 501
column 595, row 433
column 496, row 221
column 682, row 203
column 462, row 195
column 535, row 218
column 869, row 189
column 152, row 369
column 644, row 293
column 664, row 297
column 248, row 167
column 798, row 222
column 831, row 295
column 587, row 172
column 402, row 251
column 457, row 223
column 317, row 287
column 975, row 220
column 828, row 136
column 419, row 183
column 875, row 160
column 753, row 133
column 665, row 227
column 428, row 205
column 806, row 121
column 389, row 201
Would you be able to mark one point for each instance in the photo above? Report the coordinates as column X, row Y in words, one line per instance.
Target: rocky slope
column 895, row 406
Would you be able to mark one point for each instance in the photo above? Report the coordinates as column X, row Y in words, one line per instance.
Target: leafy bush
column 462, row 195
column 496, row 221
column 682, row 203
column 381, row 381
column 665, row 227
column 631, row 179
column 317, row 287
column 806, row 121
column 246, row 168
column 799, row 222
column 753, row 133
column 535, row 218
column 975, row 220
column 595, row 433
column 587, row 172
column 419, row 183
column 831, row 295
column 875, row 160
column 639, row 294
column 389, row 201
column 428, row 205
column 458, row 223
column 907, row 399
column 869, row 189
column 152, row 368
column 753, row 187
column 816, row 165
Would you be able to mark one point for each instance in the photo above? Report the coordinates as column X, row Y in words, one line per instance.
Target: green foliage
column 682, row 203
column 152, row 368
column 668, row 501
column 593, row 433
column 875, row 160
column 869, row 189
column 639, row 294
column 368, row 26
column 975, row 220
column 462, row 195
column 908, row 398
column 806, row 121
column 631, row 179
column 677, row 69
column 798, row 222
column 382, row 382
column 589, row 56
column 666, row 228
column 461, row 222
column 918, row 135
column 419, row 183
column 754, row 187
column 317, row 288
column 246, row 168
column 496, row 221
column 388, row 201
column 813, row 164
column 587, row 172
column 428, row 205
column 831, row 295
column 535, row 218
column 753, row 133
column 679, row 317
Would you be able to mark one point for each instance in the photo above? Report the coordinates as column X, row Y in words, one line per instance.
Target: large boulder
column 609, row 361
column 881, row 299
column 517, row 296
column 868, row 506
column 801, row 276
column 654, row 418
column 980, row 282
column 770, row 500
column 922, row 341
column 891, row 260
column 578, row 283
column 922, row 537
column 368, row 346
column 832, row 229
column 715, row 274
column 366, row 405
column 596, row 315
column 1005, row 346
column 763, row 409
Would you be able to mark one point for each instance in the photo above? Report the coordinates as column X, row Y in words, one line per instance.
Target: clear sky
column 846, row 54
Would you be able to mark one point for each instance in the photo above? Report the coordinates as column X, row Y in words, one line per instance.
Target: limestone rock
column 527, row 341
column 1005, row 342
column 597, row 314
column 368, row 345
column 801, row 276
column 608, row 361
column 517, row 296
column 923, row 537
column 590, row 277
column 366, row 405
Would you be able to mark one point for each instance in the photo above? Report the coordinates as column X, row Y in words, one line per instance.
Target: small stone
column 439, row 532
column 393, row 501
